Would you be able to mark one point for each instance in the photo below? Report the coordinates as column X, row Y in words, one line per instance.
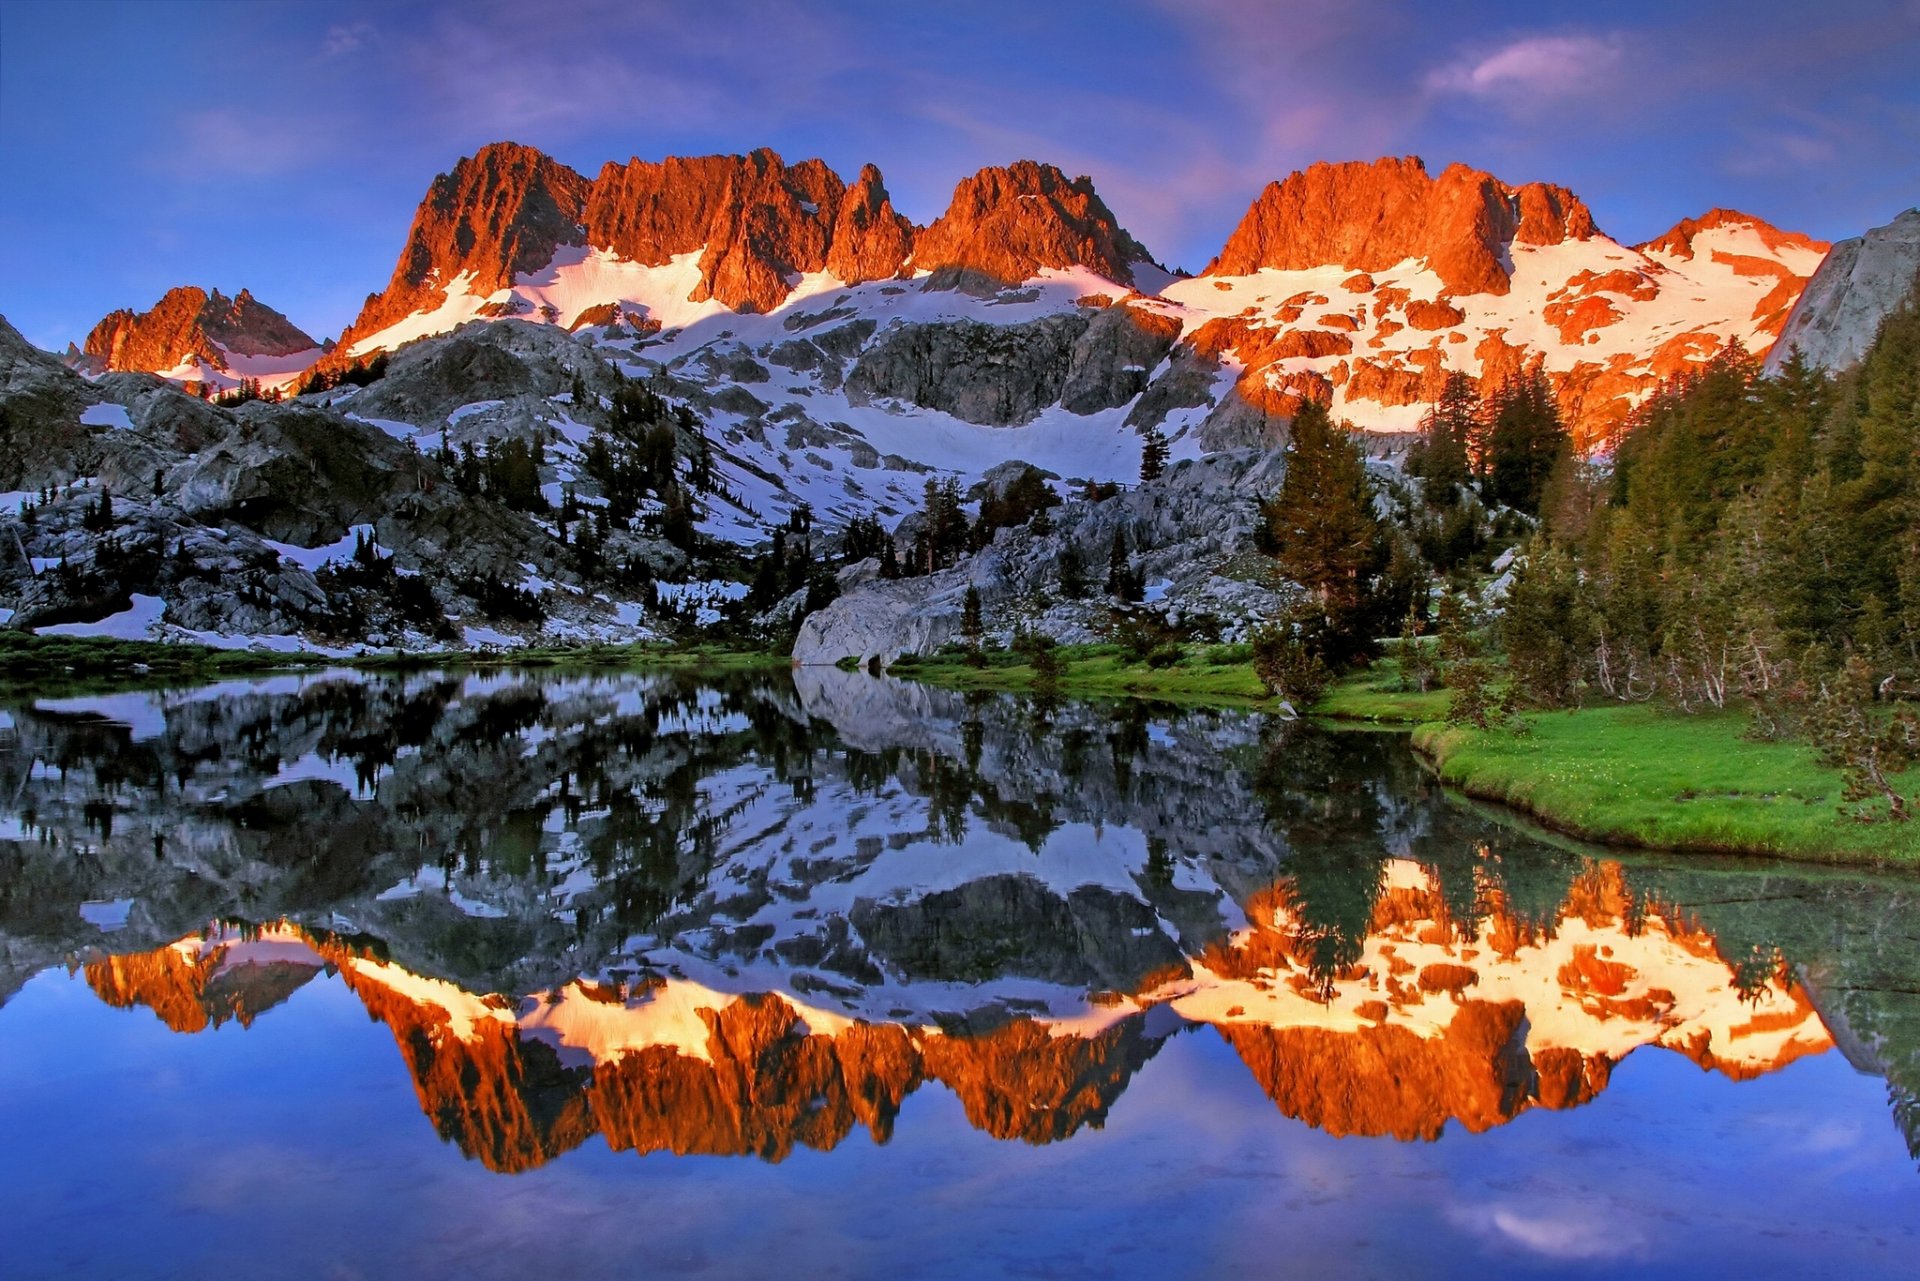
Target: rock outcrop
column 1006, row 225
column 1190, row 532
column 191, row 326
column 182, row 519
column 1859, row 284
column 1371, row 217
column 982, row 373
column 501, row 211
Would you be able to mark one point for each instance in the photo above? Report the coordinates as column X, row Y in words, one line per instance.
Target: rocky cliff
column 1859, row 284
column 1373, row 217
column 195, row 336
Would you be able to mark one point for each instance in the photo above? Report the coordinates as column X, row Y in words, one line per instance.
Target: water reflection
column 754, row 916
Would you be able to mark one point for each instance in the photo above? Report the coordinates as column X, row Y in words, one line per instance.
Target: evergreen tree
column 1153, row 454
column 972, row 626
column 1544, row 629
column 1448, row 434
column 1525, row 440
column 1123, row 583
column 1073, row 572
column 1321, row 526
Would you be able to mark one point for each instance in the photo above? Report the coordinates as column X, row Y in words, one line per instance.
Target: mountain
column 192, row 336
column 1357, row 284
column 1010, row 225
column 1373, row 217
column 1857, row 287
column 814, row 356
column 511, row 231
column 1363, row 285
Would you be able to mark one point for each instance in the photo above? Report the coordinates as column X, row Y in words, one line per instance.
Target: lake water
column 549, row 974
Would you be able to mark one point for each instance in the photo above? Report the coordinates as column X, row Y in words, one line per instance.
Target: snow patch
column 131, row 624
column 106, row 415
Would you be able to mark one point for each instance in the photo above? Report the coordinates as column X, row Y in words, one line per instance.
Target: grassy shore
column 1221, row 675
column 51, row 664
column 1636, row 776
column 1217, row 675
column 1651, row 777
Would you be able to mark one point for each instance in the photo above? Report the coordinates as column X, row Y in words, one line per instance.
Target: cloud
column 1533, row 67
column 228, row 141
column 1564, row 1231
column 345, row 38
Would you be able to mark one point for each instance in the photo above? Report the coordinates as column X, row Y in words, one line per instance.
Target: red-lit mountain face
column 1360, row 285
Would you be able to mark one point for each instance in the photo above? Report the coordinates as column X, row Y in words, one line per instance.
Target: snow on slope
column 1615, row 318
column 273, row 373
column 1605, row 320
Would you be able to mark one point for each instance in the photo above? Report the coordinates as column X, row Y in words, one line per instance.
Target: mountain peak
column 1373, row 216
column 1677, row 240
column 503, row 210
column 190, row 324
column 1010, row 222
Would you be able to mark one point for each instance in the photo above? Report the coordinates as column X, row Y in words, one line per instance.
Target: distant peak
column 1677, row 240
column 1011, row 222
column 1372, row 215
column 189, row 321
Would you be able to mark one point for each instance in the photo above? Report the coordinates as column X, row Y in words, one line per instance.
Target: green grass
column 1373, row 695
column 41, row 665
column 1645, row 776
column 1213, row 675
column 1653, row 777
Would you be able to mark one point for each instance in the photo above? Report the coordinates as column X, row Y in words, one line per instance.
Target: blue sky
column 283, row 146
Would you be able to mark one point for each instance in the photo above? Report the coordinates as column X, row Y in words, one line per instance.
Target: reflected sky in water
column 364, row 976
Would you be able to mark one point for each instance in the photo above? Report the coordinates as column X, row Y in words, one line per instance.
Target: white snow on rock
column 106, row 915
column 135, row 623
column 106, row 415
column 336, row 552
column 467, row 411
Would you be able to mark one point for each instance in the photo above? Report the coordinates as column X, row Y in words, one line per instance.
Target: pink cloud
column 1533, row 67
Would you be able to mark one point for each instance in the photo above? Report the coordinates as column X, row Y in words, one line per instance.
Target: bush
column 1289, row 667
column 1166, row 655
column 1476, row 701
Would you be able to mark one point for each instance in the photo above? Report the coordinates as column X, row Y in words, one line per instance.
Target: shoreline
column 1627, row 777
column 35, row 665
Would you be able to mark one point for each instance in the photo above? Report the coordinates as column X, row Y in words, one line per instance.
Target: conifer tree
column 1153, row 455
column 1525, row 439
column 972, row 626
column 1448, row 434
column 1321, row 526
column 1073, row 573
column 1122, row 582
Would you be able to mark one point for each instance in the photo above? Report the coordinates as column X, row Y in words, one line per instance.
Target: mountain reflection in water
column 744, row 917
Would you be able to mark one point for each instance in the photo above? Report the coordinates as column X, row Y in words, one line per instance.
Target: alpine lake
column 822, row 974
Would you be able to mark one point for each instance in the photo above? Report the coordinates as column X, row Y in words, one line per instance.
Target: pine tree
column 1122, row 582
column 972, row 626
column 1153, row 455
column 1544, row 629
column 1321, row 526
column 1073, row 572
column 1525, row 439
column 1449, row 433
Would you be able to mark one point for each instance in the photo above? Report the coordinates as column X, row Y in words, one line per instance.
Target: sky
column 283, row 146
